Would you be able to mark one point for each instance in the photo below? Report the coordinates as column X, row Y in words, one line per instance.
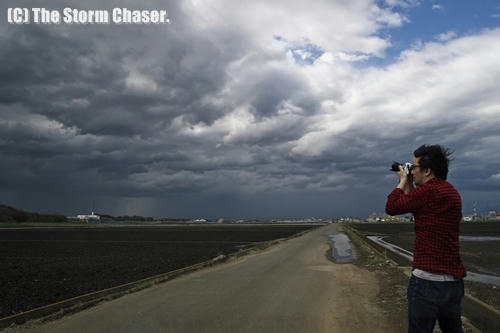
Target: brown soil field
column 41, row 266
column 479, row 257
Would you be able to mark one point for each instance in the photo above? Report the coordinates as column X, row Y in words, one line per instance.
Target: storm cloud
column 254, row 109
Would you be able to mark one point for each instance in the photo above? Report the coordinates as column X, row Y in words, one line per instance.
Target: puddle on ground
column 484, row 278
column 479, row 238
column 342, row 250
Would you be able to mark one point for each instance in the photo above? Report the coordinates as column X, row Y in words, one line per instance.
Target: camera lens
column 395, row 166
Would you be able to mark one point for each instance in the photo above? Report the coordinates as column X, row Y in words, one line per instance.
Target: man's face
column 417, row 173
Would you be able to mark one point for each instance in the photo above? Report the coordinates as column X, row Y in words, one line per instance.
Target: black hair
column 434, row 157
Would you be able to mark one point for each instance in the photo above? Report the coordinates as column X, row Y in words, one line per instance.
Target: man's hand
column 405, row 180
column 402, row 175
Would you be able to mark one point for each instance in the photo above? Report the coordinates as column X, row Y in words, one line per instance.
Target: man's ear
column 428, row 172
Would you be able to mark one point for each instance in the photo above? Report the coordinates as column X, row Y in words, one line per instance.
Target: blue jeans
column 429, row 301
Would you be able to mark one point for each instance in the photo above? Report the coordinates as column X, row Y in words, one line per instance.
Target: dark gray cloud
column 213, row 116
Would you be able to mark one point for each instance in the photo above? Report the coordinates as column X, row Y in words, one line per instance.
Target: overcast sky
column 247, row 109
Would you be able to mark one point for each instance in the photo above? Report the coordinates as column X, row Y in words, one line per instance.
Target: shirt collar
column 435, row 180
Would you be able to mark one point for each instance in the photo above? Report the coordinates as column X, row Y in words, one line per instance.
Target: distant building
column 494, row 215
column 89, row 218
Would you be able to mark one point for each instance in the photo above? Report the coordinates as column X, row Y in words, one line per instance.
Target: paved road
column 291, row 287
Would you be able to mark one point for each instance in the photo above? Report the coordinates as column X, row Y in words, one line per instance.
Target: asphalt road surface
column 291, row 287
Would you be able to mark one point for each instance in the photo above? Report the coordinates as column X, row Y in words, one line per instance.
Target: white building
column 89, row 218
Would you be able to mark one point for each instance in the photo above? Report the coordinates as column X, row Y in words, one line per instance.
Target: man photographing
column 436, row 288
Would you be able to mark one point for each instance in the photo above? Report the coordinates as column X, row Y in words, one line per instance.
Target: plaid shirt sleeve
column 400, row 203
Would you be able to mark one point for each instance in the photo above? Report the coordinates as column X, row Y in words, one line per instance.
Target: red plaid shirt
column 437, row 208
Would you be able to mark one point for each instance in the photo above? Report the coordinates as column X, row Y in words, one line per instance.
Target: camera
column 406, row 167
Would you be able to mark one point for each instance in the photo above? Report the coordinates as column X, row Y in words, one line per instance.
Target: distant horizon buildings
column 373, row 217
column 494, row 214
column 92, row 217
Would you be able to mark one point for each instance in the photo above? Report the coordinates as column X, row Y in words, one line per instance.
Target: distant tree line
column 10, row 214
column 106, row 217
column 166, row 219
